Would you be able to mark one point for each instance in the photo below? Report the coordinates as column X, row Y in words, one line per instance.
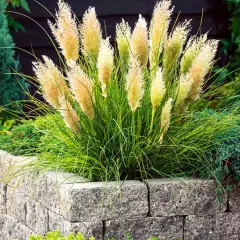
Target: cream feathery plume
column 157, row 89
column 52, row 81
column 165, row 118
column 91, row 35
column 123, row 34
column 173, row 48
column 81, row 88
column 182, row 92
column 134, row 84
column 193, row 48
column 105, row 65
column 65, row 31
column 200, row 68
column 70, row 116
column 158, row 29
column 139, row 42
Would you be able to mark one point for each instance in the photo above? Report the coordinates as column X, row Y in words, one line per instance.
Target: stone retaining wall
column 167, row 208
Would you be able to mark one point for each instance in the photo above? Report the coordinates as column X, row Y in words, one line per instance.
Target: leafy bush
column 228, row 95
column 58, row 236
column 227, row 156
column 24, row 138
column 11, row 87
column 120, row 116
column 12, row 22
column 5, row 126
column 225, row 96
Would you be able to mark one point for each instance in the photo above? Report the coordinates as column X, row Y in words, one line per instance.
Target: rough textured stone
column 227, row 226
column 65, row 195
column 36, row 217
column 96, row 201
column 11, row 166
column 21, row 232
column 35, row 185
column 199, row 227
column 3, row 191
column 2, row 222
column 170, row 197
column 10, row 229
column 166, row 228
column 234, row 201
column 16, row 204
column 28, row 182
column 102, row 201
column 41, row 202
column 7, row 226
column 87, row 228
column 6, row 161
column 65, row 177
column 81, row 201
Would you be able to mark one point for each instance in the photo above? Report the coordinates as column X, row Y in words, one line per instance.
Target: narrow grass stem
column 152, row 119
column 139, row 120
column 133, row 127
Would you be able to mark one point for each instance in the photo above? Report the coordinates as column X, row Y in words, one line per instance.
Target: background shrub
column 227, row 157
column 11, row 86
column 25, row 138
column 12, row 22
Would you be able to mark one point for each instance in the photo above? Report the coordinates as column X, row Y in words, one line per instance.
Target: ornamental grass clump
column 127, row 113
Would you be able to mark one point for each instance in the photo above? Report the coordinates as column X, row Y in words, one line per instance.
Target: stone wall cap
column 65, row 177
column 176, row 180
column 110, row 184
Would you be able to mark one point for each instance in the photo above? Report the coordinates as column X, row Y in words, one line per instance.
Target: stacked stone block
column 167, row 208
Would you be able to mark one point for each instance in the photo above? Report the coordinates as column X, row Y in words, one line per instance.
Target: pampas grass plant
column 127, row 113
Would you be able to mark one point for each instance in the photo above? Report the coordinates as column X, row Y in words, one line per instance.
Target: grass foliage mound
column 129, row 112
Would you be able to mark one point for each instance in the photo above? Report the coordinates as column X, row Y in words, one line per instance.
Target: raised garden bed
column 167, row 208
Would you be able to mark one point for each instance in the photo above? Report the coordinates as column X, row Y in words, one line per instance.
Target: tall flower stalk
column 70, row 116
column 82, row 89
column 134, row 85
column 200, row 68
column 173, row 49
column 157, row 93
column 193, row 48
column 165, row 118
column 123, row 35
column 51, row 80
column 183, row 89
column 139, row 42
column 66, row 33
column 91, row 35
column 105, row 65
column 158, row 30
